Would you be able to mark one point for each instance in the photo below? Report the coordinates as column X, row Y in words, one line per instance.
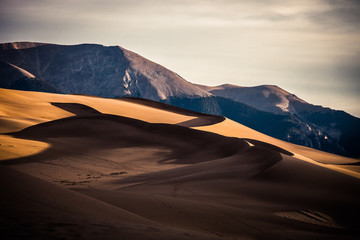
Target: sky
column 310, row 47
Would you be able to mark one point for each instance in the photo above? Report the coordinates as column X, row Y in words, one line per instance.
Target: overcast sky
column 309, row 48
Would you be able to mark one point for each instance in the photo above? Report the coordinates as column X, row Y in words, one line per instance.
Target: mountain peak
column 270, row 98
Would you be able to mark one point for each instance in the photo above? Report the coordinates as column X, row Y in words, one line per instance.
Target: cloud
column 344, row 16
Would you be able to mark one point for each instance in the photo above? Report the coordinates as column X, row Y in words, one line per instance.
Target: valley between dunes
column 82, row 167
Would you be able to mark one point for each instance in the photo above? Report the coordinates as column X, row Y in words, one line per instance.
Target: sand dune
column 90, row 168
column 35, row 209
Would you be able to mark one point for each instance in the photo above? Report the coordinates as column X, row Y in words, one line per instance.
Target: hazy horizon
column 309, row 48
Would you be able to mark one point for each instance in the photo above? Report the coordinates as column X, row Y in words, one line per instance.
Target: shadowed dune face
column 164, row 146
column 35, row 209
column 103, row 131
column 117, row 132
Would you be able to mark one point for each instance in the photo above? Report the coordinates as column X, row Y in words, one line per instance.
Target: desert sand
column 82, row 167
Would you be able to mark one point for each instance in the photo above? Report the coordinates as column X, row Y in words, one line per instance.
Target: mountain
column 97, row 70
column 342, row 127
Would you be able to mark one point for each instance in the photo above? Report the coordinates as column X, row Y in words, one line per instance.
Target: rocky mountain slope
column 97, row 70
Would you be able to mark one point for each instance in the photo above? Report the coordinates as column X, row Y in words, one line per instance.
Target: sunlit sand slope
column 20, row 109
